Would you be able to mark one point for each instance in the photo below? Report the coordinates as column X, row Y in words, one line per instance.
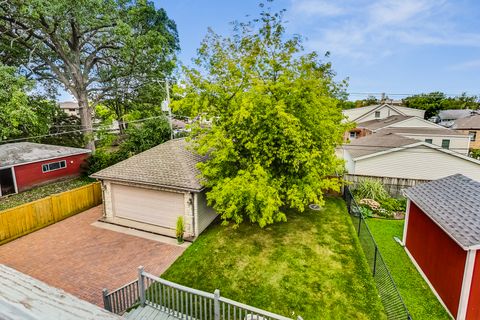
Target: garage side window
column 52, row 166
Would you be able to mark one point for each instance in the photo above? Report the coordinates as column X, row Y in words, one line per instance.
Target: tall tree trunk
column 86, row 120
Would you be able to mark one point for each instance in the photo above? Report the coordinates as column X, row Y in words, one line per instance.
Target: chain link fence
column 392, row 301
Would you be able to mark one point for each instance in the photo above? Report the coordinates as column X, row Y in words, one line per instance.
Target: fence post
column 106, row 303
column 216, row 304
column 141, row 286
column 375, row 261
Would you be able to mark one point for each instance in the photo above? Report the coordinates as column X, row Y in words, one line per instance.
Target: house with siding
column 387, row 154
column 380, row 111
column 150, row 190
column 442, row 237
column 24, row 165
column 471, row 127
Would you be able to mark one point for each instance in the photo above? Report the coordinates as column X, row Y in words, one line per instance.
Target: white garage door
column 155, row 207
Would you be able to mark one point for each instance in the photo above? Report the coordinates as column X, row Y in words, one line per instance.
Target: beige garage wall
column 204, row 214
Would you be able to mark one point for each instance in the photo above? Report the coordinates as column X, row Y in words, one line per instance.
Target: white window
column 52, row 166
column 429, row 141
column 377, row 114
column 446, row 143
column 353, row 135
column 472, row 135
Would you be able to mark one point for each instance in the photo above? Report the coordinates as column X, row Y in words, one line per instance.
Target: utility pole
column 167, row 89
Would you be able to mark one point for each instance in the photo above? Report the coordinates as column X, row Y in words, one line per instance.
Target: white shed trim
column 466, row 284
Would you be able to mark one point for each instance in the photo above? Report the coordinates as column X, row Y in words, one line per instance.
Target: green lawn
column 311, row 266
column 420, row 300
column 42, row 192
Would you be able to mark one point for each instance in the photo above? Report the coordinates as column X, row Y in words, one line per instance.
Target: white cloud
column 368, row 30
column 317, row 8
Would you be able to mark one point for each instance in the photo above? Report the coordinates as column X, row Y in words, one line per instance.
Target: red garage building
column 442, row 236
column 24, row 165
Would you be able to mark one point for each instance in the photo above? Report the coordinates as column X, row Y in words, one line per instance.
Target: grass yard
column 420, row 300
column 310, row 266
column 42, row 192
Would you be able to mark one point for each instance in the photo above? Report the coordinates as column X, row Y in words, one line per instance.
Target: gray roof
column 454, row 204
column 12, row 154
column 25, row 298
column 380, row 123
column 375, row 143
column 68, row 105
column 423, row 131
column 171, row 164
column 453, row 114
column 472, row 122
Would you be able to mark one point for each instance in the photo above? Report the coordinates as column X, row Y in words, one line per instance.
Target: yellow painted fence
column 18, row 221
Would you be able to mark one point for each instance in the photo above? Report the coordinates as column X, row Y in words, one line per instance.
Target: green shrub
column 371, row 189
column 180, row 229
column 392, row 204
column 101, row 159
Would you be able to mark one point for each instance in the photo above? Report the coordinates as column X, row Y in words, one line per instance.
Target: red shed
column 24, row 165
column 442, row 236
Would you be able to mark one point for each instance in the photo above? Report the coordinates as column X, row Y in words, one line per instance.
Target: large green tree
column 274, row 117
column 95, row 49
column 433, row 102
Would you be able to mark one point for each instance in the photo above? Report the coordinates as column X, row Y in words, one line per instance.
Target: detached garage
column 151, row 190
column 442, row 237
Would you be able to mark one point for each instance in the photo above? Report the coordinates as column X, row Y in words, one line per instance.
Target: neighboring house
column 393, row 155
column 470, row 126
column 442, row 137
column 442, row 237
column 24, row 165
column 70, row 107
column 446, row 118
column 380, row 111
column 25, row 298
column 149, row 191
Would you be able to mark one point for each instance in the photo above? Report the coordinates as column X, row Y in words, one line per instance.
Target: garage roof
column 170, row 164
column 454, row 204
column 12, row 154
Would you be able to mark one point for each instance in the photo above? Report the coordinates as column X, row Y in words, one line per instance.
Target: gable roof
column 453, row 204
column 453, row 114
column 381, row 123
column 170, row 164
column 68, row 105
column 472, row 122
column 359, row 113
column 12, row 154
column 375, row 143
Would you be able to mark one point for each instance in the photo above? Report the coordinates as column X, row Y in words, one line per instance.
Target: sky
column 392, row 46
column 400, row 47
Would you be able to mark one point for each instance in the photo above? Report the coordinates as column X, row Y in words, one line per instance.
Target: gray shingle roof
column 12, row 154
column 171, row 164
column 375, row 143
column 453, row 114
column 380, row 123
column 472, row 122
column 454, row 204
column 424, row 130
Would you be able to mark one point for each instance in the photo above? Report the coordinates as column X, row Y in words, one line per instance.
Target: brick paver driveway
column 82, row 259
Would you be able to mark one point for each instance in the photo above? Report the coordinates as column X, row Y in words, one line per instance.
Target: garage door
column 155, row 207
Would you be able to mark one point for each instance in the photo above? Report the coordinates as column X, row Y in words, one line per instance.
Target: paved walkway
column 82, row 259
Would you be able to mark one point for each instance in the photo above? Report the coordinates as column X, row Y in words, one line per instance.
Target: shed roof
column 170, row 164
column 453, row 203
column 23, row 297
column 12, row 154
column 470, row 123
column 452, row 114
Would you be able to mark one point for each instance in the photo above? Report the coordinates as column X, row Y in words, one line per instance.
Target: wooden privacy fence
column 18, row 221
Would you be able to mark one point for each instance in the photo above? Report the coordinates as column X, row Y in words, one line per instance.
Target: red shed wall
column 29, row 175
column 473, row 308
column 441, row 259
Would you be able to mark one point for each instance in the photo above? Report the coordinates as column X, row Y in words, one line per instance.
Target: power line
column 412, row 94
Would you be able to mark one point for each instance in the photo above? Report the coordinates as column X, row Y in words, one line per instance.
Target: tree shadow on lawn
column 312, row 266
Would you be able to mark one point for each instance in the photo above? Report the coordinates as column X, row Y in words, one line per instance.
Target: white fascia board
column 466, row 284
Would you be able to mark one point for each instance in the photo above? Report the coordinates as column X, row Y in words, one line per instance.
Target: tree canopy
column 433, row 102
column 274, row 117
column 96, row 49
